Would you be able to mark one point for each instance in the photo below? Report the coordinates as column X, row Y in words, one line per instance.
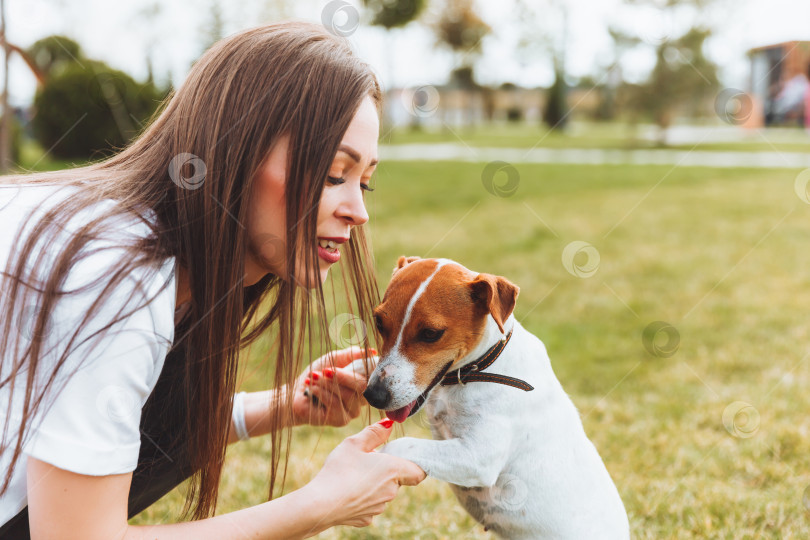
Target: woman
column 228, row 199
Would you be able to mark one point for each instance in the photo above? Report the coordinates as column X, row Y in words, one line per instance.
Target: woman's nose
column 353, row 208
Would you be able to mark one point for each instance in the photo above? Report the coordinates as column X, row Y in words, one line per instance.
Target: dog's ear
column 403, row 261
column 495, row 295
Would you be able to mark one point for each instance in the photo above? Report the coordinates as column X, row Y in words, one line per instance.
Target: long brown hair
column 285, row 79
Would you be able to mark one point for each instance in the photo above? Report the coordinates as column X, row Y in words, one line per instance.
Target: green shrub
column 90, row 108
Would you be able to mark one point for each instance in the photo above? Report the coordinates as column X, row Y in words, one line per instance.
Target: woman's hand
column 329, row 393
column 356, row 482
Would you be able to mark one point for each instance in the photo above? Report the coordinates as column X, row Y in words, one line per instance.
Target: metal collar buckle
column 473, row 368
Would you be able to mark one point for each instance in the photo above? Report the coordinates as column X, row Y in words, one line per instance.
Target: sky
column 122, row 34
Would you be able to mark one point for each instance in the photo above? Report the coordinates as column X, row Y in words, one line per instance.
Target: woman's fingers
column 351, row 383
column 351, row 399
column 331, row 407
column 336, row 395
column 342, row 408
column 342, row 357
column 349, row 379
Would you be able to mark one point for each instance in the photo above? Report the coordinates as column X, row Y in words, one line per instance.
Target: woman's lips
column 328, row 249
column 329, row 256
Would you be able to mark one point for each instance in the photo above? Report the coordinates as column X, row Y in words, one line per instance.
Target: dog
column 506, row 436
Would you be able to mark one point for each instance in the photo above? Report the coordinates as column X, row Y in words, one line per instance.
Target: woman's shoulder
column 23, row 206
column 101, row 255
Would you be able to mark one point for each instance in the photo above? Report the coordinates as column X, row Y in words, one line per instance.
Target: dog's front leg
column 473, row 462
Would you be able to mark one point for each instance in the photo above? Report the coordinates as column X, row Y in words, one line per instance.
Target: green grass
column 722, row 255
column 587, row 135
column 34, row 158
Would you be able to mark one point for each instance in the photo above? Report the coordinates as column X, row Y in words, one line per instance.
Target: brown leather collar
column 472, row 372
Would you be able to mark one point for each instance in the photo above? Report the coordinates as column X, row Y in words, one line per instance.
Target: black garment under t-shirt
column 162, row 460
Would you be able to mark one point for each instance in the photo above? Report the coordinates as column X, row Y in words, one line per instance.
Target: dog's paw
column 404, row 447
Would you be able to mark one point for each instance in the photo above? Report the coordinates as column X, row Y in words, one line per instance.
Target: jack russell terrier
column 508, row 440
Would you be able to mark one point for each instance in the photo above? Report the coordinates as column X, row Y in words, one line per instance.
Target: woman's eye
column 336, row 181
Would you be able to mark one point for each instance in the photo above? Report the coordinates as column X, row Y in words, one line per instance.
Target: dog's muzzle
column 377, row 395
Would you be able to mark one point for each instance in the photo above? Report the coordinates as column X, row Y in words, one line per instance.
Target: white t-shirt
column 92, row 426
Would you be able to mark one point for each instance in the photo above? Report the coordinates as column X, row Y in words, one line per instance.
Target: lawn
column 601, row 135
column 709, row 438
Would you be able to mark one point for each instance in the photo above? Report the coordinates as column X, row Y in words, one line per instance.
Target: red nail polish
column 315, row 376
column 386, row 423
column 328, row 372
column 306, row 381
column 373, row 351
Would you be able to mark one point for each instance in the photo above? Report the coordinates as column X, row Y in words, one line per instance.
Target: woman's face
column 341, row 206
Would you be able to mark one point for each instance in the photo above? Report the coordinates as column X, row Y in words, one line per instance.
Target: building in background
column 779, row 83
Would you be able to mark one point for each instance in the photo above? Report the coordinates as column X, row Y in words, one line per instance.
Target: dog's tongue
column 402, row 413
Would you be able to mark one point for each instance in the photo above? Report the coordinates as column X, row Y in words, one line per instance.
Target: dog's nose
column 377, row 395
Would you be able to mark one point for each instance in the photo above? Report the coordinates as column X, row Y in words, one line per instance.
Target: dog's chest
column 450, row 413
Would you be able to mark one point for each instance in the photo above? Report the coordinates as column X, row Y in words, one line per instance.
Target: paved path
column 592, row 156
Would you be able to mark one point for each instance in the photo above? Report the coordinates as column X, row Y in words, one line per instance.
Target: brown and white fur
column 519, row 462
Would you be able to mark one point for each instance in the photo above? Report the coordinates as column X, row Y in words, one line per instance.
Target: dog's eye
column 428, row 335
column 379, row 324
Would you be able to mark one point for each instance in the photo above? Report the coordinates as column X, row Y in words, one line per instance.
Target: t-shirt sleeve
column 91, row 424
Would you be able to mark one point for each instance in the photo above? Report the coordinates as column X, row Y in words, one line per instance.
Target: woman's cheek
column 327, row 202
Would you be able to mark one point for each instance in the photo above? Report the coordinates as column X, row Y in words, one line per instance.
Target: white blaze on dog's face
column 432, row 315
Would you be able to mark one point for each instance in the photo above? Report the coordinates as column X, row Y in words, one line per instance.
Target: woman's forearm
column 299, row 514
column 260, row 417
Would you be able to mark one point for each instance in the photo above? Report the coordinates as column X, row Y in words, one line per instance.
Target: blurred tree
column 543, row 34
column 683, row 79
column 462, row 30
column 275, row 10
column 5, row 124
column 15, row 137
column 555, row 115
column 40, row 76
column 89, row 107
column 611, row 80
column 42, row 58
column 214, row 28
column 394, row 13
column 150, row 15
column 53, row 54
column 391, row 14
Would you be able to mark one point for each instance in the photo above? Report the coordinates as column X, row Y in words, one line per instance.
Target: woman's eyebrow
column 354, row 154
